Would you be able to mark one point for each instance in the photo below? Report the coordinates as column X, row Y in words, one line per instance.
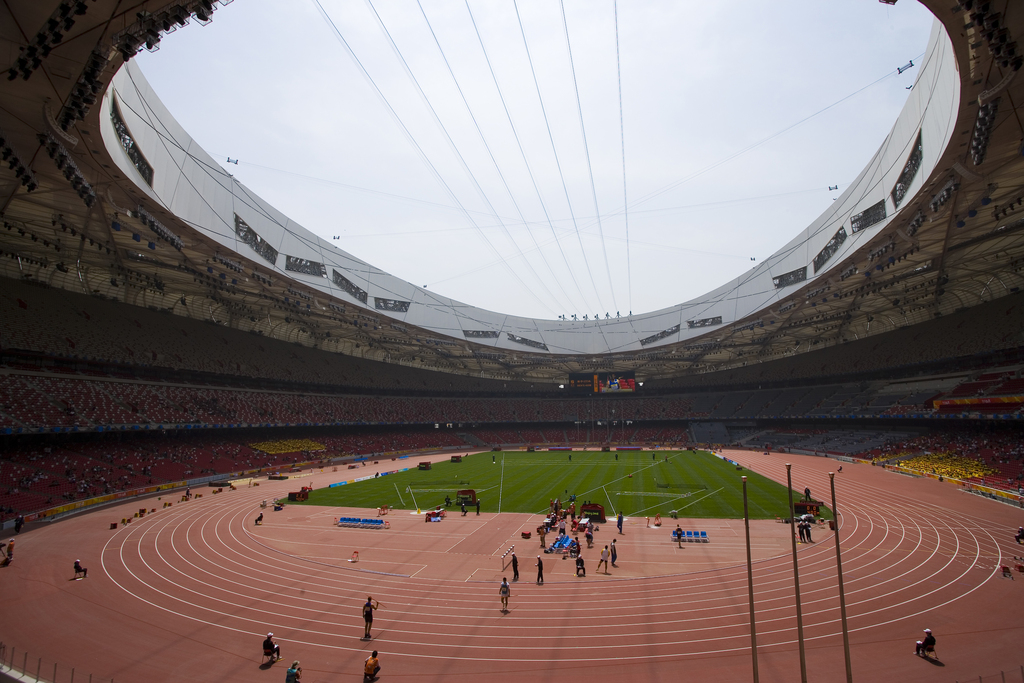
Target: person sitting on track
column 927, row 645
column 371, row 668
column 1020, row 535
column 79, row 569
column 259, row 520
column 271, row 649
column 581, row 569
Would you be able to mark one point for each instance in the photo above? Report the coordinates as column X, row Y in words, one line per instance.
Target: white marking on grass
column 610, row 503
column 399, row 495
column 699, row 499
column 656, row 495
column 620, row 478
column 610, row 482
column 501, row 482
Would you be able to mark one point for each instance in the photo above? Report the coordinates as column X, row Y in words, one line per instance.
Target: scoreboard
column 582, row 383
column 807, row 508
column 602, row 382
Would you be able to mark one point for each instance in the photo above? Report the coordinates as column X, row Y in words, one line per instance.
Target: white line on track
column 237, row 566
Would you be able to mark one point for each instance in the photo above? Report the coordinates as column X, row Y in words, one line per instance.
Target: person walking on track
column 504, row 591
column 604, row 560
column 540, row 571
column 515, row 568
column 368, row 608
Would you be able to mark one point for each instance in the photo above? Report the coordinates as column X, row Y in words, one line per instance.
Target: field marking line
column 414, row 503
column 701, row 498
column 501, row 482
column 399, row 494
column 658, row 495
column 612, row 482
column 412, row 490
column 478, row 528
column 625, row 477
column 666, row 502
column 610, row 503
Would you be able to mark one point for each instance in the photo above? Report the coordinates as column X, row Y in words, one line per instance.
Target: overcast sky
column 437, row 160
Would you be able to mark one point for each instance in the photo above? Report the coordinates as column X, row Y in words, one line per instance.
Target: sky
column 482, row 149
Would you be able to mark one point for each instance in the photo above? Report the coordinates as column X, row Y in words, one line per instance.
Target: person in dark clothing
column 477, row 506
column 926, row 645
column 271, row 648
column 540, row 571
column 19, row 522
column 368, row 608
column 807, row 493
column 581, row 569
column 800, row 530
column 463, row 509
column 79, row 569
column 259, row 520
column 515, row 567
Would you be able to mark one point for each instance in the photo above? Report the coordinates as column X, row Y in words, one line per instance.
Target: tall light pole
column 796, row 575
column 750, row 582
column 839, row 571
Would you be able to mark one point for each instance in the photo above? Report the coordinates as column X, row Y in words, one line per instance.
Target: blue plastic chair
column 704, row 536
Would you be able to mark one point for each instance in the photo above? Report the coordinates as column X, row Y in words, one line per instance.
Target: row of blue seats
column 361, row 523
column 560, row 543
column 689, row 536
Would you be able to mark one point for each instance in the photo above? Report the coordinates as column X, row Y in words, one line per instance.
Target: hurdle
column 504, row 565
column 355, row 556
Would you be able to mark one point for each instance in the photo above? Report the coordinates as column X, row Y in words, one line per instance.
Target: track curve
column 200, row 577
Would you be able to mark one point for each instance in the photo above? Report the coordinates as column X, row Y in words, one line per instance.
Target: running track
column 188, row 593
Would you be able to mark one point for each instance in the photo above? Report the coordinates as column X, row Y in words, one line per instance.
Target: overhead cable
column 586, row 151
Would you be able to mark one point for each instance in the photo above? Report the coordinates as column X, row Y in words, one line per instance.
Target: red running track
column 189, row 592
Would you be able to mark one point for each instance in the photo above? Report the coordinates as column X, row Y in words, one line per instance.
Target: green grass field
column 697, row 484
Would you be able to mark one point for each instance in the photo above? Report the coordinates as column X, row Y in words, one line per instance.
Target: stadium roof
column 107, row 194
